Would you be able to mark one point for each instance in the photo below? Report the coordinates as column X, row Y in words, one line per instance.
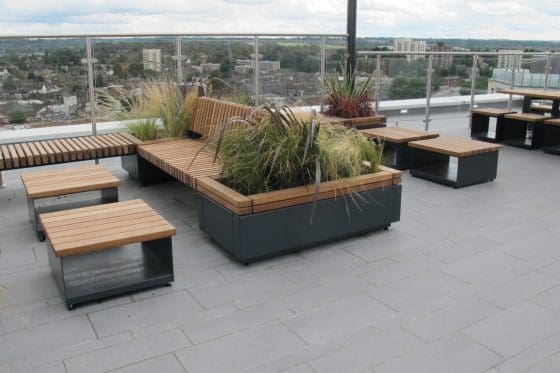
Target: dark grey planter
column 261, row 235
column 145, row 172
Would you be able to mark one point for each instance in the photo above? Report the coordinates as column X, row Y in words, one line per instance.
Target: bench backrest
column 211, row 114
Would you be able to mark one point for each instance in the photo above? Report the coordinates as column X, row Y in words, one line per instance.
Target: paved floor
column 468, row 281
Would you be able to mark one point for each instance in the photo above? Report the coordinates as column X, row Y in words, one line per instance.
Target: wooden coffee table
column 396, row 139
column 100, row 251
column 60, row 182
column 481, row 122
column 434, row 159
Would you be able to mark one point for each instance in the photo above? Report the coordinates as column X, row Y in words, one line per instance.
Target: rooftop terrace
column 467, row 281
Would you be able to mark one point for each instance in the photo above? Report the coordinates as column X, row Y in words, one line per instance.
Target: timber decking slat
column 29, row 156
column 455, row 146
column 21, row 155
column 528, row 117
column 88, row 229
column 37, row 160
column 492, row 112
column 62, row 171
column 553, row 122
column 14, row 156
column 398, row 134
column 7, row 157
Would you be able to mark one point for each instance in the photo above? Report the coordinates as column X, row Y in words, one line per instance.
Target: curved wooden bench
column 182, row 158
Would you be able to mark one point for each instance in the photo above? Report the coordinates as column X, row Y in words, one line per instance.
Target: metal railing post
column 257, row 74
column 91, row 87
column 547, row 71
column 179, row 56
column 2, row 184
column 512, row 85
column 323, row 70
column 377, row 81
column 428, row 92
column 473, row 86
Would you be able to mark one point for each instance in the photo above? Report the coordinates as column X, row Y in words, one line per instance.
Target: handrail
column 171, row 34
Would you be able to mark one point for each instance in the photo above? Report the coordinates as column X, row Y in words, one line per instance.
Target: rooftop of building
column 467, row 281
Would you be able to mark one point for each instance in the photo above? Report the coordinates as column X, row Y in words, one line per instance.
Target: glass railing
column 45, row 79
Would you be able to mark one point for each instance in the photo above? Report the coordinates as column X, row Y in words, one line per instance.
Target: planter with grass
column 289, row 184
column 351, row 103
column 163, row 112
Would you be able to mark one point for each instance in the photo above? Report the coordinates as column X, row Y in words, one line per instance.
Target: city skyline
column 407, row 18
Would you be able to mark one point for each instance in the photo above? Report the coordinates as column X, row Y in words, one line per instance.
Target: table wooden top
column 527, row 117
column 105, row 226
column 553, row 122
column 492, row 112
column 398, row 134
column 534, row 93
column 68, row 180
column 455, row 146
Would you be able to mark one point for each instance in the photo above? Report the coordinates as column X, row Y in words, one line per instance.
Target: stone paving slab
column 468, row 280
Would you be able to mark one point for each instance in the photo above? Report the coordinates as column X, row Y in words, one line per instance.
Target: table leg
column 555, row 113
column 2, row 184
column 34, row 217
column 527, row 104
column 109, row 195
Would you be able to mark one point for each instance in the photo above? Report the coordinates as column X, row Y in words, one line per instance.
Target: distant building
column 409, row 45
column 244, row 66
column 443, row 61
column 508, row 58
column 208, row 66
column 152, row 59
column 4, row 74
column 70, row 101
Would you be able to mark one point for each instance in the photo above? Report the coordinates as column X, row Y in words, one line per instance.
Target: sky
column 481, row 19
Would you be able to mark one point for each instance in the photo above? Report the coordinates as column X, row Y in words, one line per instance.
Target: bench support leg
column 110, row 195
column 2, row 184
column 34, row 217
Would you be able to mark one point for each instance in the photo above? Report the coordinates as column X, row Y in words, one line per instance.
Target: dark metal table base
column 108, row 195
column 396, row 155
column 102, row 274
column 468, row 170
column 480, row 128
column 551, row 139
column 515, row 134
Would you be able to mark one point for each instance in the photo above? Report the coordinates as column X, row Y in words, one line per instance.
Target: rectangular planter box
column 260, row 226
column 375, row 121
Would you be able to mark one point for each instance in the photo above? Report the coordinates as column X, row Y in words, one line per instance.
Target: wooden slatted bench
column 55, row 183
column 93, row 254
column 481, row 124
column 46, row 152
column 395, row 149
column 551, row 142
column 183, row 159
column 524, row 130
column 476, row 162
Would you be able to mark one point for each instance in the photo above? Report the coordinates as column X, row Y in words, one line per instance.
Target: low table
column 524, row 130
column 552, row 136
column 396, row 141
column 476, row 161
column 91, row 251
column 56, row 183
column 481, row 122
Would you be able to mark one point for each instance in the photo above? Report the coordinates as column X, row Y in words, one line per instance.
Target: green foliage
column 63, row 57
column 136, row 69
column 17, row 117
column 279, row 151
column 403, row 88
column 8, row 84
column 162, row 102
column 143, row 129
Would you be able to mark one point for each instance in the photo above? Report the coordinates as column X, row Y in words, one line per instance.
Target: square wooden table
column 396, row 151
column 94, row 253
column 476, row 161
column 481, row 122
column 60, row 182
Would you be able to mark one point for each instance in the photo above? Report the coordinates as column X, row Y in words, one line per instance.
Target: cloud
column 489, row 19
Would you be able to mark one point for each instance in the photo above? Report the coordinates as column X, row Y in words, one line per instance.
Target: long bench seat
column 71, row 149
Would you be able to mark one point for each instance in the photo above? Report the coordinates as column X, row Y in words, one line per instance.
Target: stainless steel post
column 2, row 184
column 179, row 56
column 91, row 88
column 323, row 70
column 377, row 81
column 257, row 73
column 428, row 92
column 547, row 71
column 473, row 86
column 512, row 85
